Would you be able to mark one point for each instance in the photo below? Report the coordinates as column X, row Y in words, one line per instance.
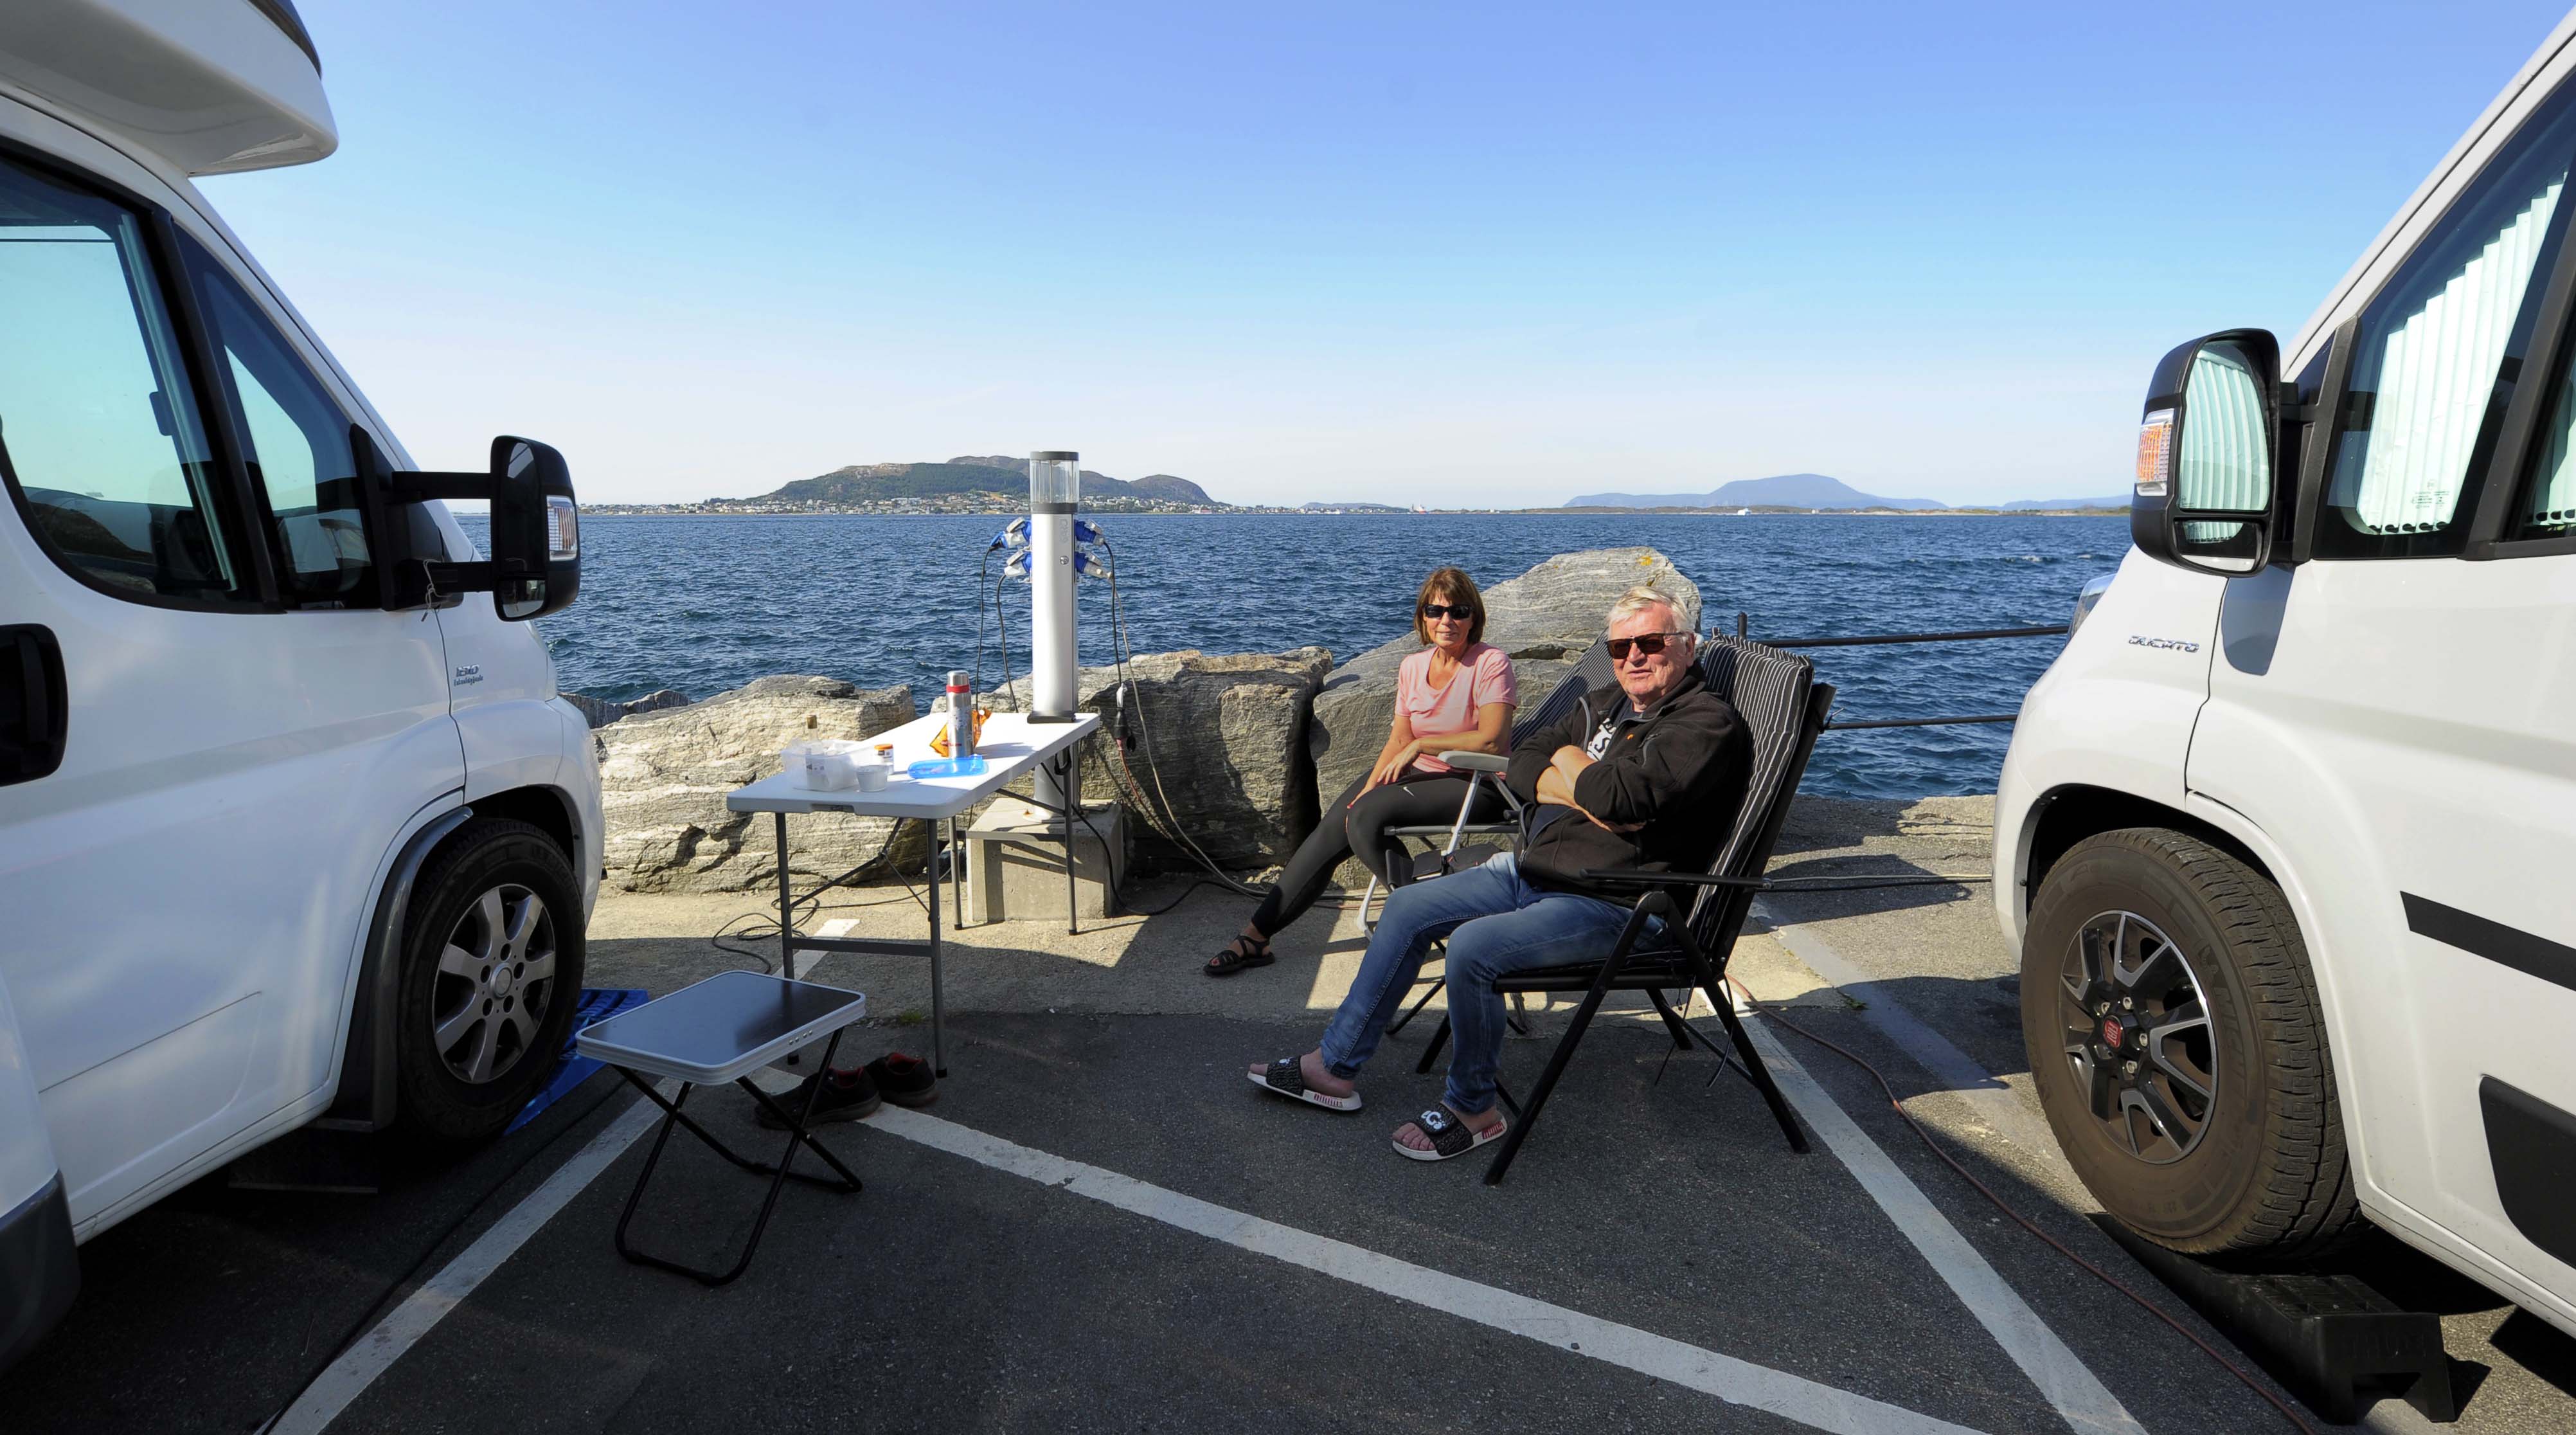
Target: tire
column 2192, row 961
column 475, row 1035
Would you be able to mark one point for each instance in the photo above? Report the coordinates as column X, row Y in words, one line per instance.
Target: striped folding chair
column 1777, row 696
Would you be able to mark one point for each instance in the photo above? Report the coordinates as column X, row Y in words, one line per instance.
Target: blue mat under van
column 597, row 1004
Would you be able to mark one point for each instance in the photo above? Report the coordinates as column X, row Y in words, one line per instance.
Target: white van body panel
column 2410, row 735
column 211, row 88
column 2117, row 706
column 26, row 1151
column 581, row 782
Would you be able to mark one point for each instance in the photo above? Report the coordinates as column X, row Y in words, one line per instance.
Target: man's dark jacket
column 1680, row 770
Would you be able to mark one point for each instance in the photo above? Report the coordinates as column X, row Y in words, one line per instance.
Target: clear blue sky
column 1457, row 254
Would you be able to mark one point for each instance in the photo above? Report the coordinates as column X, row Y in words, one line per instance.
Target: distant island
column 998, row 484
column 972, row 483
column 1816, row 492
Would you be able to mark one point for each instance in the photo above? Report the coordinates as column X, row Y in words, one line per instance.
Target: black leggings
column 1358, row 829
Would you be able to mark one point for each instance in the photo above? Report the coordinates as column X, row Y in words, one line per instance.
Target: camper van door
column 248, row 740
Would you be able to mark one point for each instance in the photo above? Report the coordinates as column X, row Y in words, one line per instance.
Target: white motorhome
column 2285, row 836
column 293, row 826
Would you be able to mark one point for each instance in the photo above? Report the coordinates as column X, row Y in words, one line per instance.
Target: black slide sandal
column 1283, row 1077
column 1449, row 1136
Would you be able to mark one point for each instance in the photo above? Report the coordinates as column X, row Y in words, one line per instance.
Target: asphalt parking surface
column 953, row 1295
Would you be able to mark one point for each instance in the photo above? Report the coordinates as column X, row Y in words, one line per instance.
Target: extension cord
column 2114, row 1282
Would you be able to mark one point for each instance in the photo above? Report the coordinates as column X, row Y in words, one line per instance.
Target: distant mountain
column 1786, row 490
column 1001, row 477
column 2117, row 500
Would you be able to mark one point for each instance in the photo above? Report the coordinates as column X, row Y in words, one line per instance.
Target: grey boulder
column 1544, row 619
column 1217, row 752
column 600, row 712
column 664, row 776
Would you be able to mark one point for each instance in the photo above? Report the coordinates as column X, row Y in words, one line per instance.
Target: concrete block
column 1015, row 862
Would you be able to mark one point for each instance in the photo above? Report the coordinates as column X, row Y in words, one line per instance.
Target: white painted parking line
column 1994, row 1103
column 375, row 1352
column 1737, row 1381
column 2065, row 1380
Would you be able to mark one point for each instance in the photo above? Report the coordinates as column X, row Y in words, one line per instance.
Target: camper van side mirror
column 535, row 567
column 2207, row 479
column 536, row 530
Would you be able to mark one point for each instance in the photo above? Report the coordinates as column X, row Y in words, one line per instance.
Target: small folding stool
column 724, row 1029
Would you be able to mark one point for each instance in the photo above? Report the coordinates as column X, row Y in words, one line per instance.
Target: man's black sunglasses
column 1646, row 643
column 1459, row 611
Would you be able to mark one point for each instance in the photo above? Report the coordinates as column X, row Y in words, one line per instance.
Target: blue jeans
column 1495, row 923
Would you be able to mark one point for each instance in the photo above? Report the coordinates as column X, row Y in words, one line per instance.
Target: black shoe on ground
column 847, row 1096
column 905, row 1080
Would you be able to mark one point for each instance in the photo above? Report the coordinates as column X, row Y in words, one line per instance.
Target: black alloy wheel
column 2138, row 1036
column 2179, row 1049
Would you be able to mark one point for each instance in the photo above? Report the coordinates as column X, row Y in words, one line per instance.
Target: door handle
column 35, row 703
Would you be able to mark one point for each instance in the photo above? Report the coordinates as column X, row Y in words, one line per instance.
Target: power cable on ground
column 802, row 909
column 1924, row 1134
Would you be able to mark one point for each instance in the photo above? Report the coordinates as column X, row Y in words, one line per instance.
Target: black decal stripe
column 2507, row 946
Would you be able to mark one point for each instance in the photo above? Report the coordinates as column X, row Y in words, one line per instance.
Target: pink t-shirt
column 1483, row 676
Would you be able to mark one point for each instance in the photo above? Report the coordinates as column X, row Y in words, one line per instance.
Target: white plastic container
column 823, row 764
column 872, row 773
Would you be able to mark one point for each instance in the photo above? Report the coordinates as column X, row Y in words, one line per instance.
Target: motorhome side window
column 2545, row 507
column 101, row 442
column 2422, row 409
column 295, row 439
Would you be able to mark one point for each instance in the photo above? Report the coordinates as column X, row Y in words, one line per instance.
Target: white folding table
column 1011, row 745
column 723, row 1029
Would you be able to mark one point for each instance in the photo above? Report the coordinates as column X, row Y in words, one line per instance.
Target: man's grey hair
column 1638, row 599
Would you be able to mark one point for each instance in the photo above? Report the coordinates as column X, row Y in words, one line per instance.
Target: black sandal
column 1286, row 1079
column 1238, row 955
column 1449, row 1135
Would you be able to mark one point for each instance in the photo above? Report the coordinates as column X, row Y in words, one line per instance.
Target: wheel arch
column 548, row 809
column 365, row 1099
column 2066, row 815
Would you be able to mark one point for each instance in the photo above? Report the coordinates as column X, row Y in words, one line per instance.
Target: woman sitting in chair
column 1456, row 695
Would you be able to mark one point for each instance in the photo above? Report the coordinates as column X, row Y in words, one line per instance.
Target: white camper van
column 292, row 824
column 2287, row 836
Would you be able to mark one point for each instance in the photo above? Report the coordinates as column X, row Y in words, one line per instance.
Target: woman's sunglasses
column 1459, row 611
column 1646, row 643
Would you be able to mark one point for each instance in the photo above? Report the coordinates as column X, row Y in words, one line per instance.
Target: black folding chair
column 1778, row 697
column 1593, row 670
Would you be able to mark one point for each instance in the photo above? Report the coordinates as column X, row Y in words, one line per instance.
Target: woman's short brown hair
column 1460, row 589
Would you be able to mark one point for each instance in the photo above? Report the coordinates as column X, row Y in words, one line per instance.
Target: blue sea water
column 704, row 603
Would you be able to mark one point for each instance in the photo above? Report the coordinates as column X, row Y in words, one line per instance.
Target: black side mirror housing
column 536, row 530
column 535, row 567
column 2208, row 478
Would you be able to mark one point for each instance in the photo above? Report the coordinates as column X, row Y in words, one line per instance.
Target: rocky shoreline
column 1235, row 750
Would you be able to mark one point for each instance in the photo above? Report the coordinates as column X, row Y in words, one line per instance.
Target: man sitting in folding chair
column 1648, row 774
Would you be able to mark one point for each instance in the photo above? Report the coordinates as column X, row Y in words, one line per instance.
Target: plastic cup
column 826, row 765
